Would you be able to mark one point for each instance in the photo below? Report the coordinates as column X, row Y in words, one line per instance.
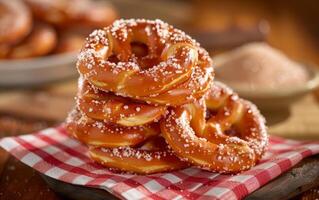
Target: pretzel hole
column 210, row 114
column 232, row 132
column 139, row 49
column 114, row 59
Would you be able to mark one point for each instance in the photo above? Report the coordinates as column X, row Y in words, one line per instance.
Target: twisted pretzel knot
column 230, row 138
column 146, row 60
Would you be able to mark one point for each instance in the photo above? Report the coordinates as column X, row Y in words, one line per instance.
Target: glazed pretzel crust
column 231, row 140
column 164, row 75
column 100, row 105
column 98, row 133
column 152, row 157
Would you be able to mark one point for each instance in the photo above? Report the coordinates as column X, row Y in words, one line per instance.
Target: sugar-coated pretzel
column 98, row 133
column 192, row 89
column 115, row 109
column 15, row 21
column 145, row 60
column 73, row 12
column 151, row 157
column 39, row 42
column 239, row 115
column 231, row 137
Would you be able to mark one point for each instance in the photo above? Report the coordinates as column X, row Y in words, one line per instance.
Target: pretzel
column 41, row 41
column 100, row 105
column 69, row 42
column 146, row 60
column 15, row 21
column 152, row 157
column 230, row 138
column 191, row 90
column 93, row 132
column 65, row 13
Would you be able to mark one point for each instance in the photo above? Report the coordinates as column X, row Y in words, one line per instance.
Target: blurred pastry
column 73, row 12
column 70, row 41
column 64, row 26
column 41, row 41
column 15, row 21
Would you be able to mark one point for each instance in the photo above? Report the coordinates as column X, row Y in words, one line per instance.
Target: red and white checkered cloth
column 54, row 154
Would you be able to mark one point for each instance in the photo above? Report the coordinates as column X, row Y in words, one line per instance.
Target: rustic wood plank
column 3, row 160
column 38, row 105
column 292, row 183
column 12, row 126
column 19, row 181
column 77, row 192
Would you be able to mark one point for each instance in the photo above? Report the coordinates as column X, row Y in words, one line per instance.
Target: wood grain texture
column 49, row 104
column 21, row 182
column 292, row 183
column 3, row 159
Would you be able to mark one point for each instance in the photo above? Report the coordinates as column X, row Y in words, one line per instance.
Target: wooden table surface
column 23, row 111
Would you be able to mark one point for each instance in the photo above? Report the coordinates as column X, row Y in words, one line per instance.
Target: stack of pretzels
column 147, row 103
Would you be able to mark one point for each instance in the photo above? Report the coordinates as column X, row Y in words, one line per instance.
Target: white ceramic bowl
column 36, row 71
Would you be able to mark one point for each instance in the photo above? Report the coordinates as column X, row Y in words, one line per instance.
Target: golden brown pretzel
column 98, row 133
column 70, row 42
column 15, row 21
column 73, row 12
column 41, row 41
column 191, row 90
column 231, row 138
column 152, row 157
column 171, row 61
column 100, row 105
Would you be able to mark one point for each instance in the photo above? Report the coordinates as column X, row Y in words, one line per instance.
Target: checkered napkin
column 54, row 154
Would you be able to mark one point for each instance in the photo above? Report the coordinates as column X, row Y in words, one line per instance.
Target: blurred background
column 38, row 82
